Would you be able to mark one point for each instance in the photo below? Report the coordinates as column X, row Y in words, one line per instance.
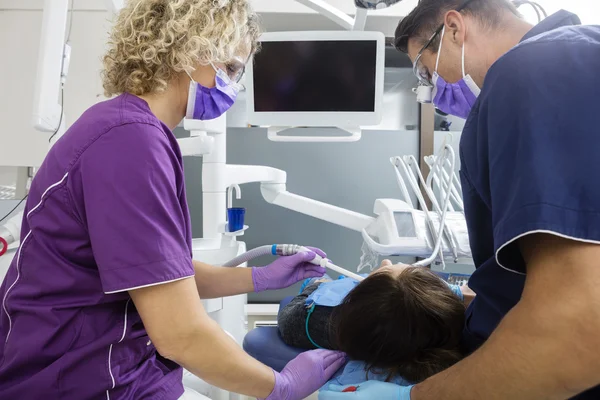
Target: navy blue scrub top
column 530, row 161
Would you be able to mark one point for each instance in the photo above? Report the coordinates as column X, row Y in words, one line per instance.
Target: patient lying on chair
column 401, row 324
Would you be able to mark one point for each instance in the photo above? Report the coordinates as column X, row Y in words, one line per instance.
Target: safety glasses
column 420, row 71
column 234, row 70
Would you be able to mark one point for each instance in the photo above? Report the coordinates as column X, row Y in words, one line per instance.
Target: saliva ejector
column 289, row 250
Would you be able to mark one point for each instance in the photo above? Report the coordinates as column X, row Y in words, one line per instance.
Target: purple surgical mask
column 454, row 98
column 210, row 103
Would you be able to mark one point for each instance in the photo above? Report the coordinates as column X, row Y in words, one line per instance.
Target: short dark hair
column 428, row 15
column 408, row 325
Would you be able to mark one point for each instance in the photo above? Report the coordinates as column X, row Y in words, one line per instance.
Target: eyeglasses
column 234, row 69
column 420, row 71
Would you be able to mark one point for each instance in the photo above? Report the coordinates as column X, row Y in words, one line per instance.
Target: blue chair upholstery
column 265, row 344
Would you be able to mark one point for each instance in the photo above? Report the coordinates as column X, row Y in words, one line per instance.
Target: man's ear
column 455, row 27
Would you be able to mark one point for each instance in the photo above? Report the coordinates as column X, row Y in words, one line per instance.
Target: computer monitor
column 317, row 79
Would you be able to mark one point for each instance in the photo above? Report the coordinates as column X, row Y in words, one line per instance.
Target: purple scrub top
column 106, row 213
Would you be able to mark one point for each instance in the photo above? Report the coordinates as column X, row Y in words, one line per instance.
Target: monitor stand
column 274, row 134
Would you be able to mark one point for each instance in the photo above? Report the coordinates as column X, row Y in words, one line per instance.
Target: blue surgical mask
column 331, row 294
column 454, row 98
column 210, row 103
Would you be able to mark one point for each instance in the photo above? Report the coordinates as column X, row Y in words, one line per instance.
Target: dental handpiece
column 325, row 263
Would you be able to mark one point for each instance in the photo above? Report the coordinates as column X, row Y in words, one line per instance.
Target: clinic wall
column 8, row 177
column 83, row 88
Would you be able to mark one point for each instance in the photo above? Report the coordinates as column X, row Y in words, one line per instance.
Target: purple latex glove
column 287, row 270
column 305, row 374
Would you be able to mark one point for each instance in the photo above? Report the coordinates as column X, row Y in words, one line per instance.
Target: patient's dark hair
column 407, row 325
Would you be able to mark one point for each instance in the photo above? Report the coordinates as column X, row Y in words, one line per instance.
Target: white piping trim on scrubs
column 110, row 351
column 42, row 198
column 145, row 286
column 538, row 231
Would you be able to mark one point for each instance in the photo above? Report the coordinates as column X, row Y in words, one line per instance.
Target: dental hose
column 289, row 250
column 250, row 255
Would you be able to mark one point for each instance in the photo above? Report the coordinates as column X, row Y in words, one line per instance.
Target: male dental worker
column 529, row 153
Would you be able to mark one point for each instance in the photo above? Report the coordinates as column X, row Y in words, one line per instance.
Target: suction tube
column 288, row 250
column 274, row 250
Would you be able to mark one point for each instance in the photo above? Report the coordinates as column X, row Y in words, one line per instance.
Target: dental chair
column 265, row 344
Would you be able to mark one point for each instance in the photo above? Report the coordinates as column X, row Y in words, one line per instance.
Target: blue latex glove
column 287, row 270
column 305, row 374
column 367, row 391
column 456, row 290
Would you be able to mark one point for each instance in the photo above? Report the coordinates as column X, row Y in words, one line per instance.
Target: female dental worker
column 102, row 299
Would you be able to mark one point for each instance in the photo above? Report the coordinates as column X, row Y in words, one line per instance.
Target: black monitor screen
column 315, row 76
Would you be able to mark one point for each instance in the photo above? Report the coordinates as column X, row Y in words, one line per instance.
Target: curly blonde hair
column 155, row 40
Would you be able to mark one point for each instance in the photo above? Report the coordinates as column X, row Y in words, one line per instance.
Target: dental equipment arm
column 401, row 183
column 181, row 331
column 545, row 347
column 436, row 234
column 276, row 193
column 442, row 228
column 442, row 185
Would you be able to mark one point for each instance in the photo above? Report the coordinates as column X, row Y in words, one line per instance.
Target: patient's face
column 387, row 267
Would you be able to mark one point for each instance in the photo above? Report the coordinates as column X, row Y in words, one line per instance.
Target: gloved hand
column 305, row 374
column 367, row 391
column 287, row 270
column 457, row 291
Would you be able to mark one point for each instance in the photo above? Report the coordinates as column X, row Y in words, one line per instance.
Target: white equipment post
column 47, row 109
